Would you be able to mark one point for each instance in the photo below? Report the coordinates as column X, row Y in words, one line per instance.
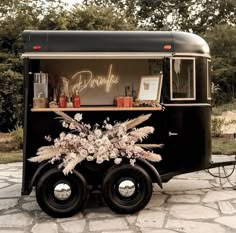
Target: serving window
column 182, row 79
column 98, row 81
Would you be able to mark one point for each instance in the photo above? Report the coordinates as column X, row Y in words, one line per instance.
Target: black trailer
column 181, row 110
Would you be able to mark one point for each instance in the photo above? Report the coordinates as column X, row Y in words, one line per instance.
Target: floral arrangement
column 98, row 143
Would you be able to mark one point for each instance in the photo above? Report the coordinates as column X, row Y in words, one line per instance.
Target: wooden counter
column 97, row 108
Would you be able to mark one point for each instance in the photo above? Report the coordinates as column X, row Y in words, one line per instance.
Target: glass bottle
column 76, row 100
column 62, row 101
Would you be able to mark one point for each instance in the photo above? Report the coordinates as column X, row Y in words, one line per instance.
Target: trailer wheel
column 127, row 189
column 59, row 195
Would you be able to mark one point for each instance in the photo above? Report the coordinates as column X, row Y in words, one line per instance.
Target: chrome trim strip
column 188, row 105
column 105, row 55
column 95, row 55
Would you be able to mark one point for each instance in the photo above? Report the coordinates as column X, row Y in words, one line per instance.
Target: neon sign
column 85, row 79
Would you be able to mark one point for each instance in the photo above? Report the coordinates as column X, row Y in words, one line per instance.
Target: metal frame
column 208, row 79
column 194, row 78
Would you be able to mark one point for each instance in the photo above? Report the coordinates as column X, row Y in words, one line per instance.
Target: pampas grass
column 137, row 121
column 142, row 133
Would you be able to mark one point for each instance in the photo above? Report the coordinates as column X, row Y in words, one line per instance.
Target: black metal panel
column 187, row 138
column 114, row 41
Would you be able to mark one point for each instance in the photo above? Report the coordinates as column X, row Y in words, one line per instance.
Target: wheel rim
column 130, row 194
column 56, row 198
column 62, row 191
column 126, row 188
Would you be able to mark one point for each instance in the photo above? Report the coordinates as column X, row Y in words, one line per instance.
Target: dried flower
column 91, row 149
column 78, row 117
column 95, row 143
column 98, row 133
column 117, row 160
column 64, row 124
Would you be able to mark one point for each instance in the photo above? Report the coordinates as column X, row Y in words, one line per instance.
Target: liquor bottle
column 76, row 100
column 62, row 101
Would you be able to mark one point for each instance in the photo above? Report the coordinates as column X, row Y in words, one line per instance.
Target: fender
column 151, row 170
column 41, row 168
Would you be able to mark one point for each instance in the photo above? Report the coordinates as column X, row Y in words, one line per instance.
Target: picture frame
column 150, row 88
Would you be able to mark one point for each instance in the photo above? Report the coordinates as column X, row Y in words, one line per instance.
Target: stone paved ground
column 190, row 203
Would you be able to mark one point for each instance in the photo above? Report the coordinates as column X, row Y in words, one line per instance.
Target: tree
column 98, row 18
column 222, row 41
column 186, row 15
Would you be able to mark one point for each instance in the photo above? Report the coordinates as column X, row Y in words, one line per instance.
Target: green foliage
column 186, row 15
column 216, row 126
column 98, row 18
column 222, row 41
column 225, row 146
column 216, row 111
column 11, row 157
column 11, row 100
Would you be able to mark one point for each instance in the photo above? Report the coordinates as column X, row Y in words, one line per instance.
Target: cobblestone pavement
column 191, row 203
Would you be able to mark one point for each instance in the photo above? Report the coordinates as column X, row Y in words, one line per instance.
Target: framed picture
column 150, row 88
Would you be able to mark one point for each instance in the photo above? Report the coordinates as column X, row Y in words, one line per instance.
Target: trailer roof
column 45, row 42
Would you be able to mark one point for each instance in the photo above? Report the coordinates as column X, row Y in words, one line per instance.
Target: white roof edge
column 104, row 55
column 93, row 55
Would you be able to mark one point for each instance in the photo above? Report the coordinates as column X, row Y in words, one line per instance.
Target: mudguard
column 156, row 178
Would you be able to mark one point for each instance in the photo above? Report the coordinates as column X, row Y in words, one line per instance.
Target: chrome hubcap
column 126, row 188
column 62, row 191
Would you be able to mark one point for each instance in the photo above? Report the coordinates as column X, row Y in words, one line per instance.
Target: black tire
column 60, row 208
column 131, row 204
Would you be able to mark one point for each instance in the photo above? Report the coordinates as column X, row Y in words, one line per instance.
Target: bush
column 11, row 100
column 17, row 135
column 216, row 126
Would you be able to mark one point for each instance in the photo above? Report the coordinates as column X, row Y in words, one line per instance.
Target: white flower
column 112, row 155
column 101, row 150
column 105, row 140
column 98, row 133
column 132, row 161
column 91, row 149
column 83, row 153
column 99, row 160
column 83, row 141
column 82, row 135
column 117, row 160
column 108, row 126
column 90, row 158
column 69, row 137
column 64, row 124
column 62, row 135
column 90, row 137
column 78, row 117
column 98, row 142
column 48, row 138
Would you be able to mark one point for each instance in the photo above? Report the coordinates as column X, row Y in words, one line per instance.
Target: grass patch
column 226, row 146
column 217, row 111
column 11, row 157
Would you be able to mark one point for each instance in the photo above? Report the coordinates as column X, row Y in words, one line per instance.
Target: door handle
column 172, row 134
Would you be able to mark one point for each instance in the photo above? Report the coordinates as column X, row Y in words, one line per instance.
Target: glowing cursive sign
column 85, row 79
